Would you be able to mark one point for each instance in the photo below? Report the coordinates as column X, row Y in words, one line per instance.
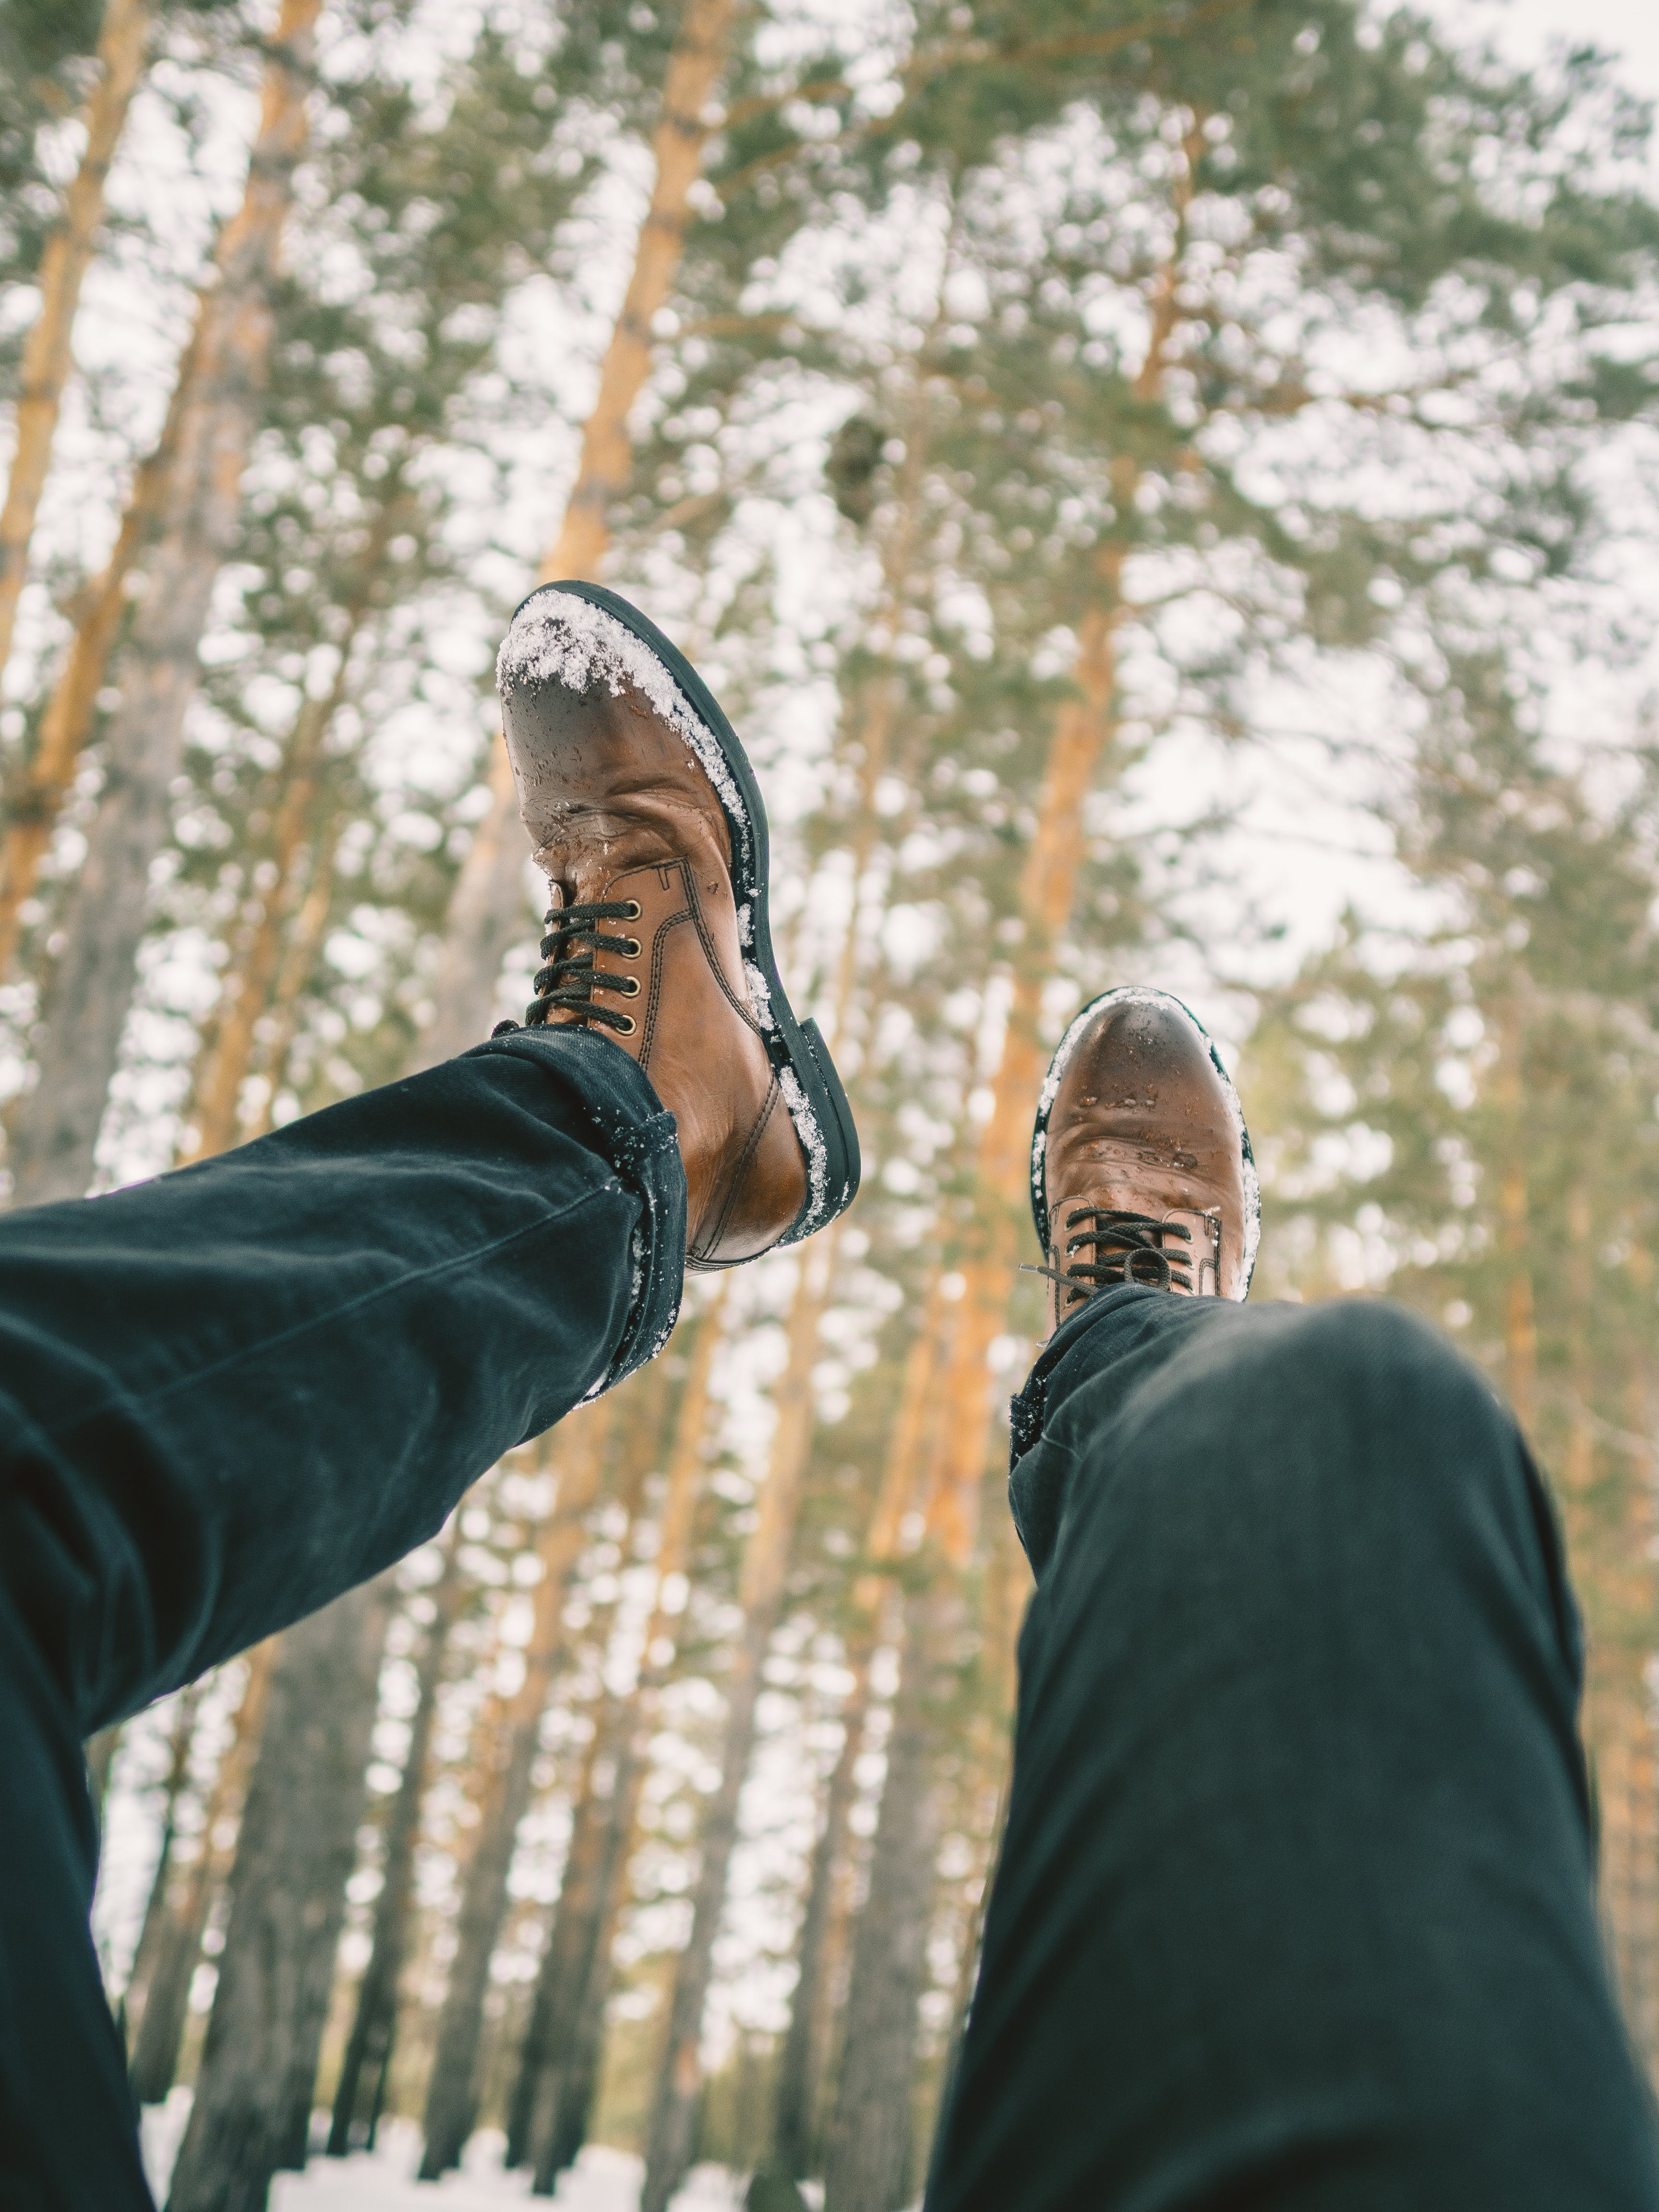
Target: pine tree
column 252, row 2110
column 122, row 43
column 511, row 1733
column 174, row 1780
column 367, row 2063
column 55, row 1135
column 44, row 48
column 762, row 1594
column 1467, row 1119
column 803, row 2062
column 158, row 2033
column 549, row 2109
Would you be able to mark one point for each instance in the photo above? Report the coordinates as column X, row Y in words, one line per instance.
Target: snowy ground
column 603, row 2180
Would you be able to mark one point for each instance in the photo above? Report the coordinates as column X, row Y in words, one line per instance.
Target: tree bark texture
column 590, row 1819
column 298, row 961
column 1002, row 1163
column 1520, row 1315
column 1084, row 729
column 801, row 2067
column 250, row 988
column 161, row 2026
column 367, row 2058
column 246, row 990
column 765, row 1570
column 567, row 1962
column 252, row 2105
column 33, row 805
column 870, row 2141
column 511, row 1735
column 487, row 911
column 904, row 1481
column 55, row 1134
column 173, row 1782
column 559, row 2065
column 560, row 2123
column 123, row 42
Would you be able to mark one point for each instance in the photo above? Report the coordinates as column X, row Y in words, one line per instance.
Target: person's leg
column 230, row 1395
column 1295, row 1905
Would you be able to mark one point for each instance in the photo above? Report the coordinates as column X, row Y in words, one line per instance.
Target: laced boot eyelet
column 629, row 987
column 634, row 910
column 627, row 1026
column 634, row 946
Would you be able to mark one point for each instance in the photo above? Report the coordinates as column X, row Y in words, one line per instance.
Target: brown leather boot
column 1141, row 1169
column 644, row 813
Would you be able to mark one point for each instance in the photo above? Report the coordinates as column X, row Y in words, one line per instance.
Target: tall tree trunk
column 589, row 1821
column 560, row 1984
column 1520, row 1322
column 368, row 2046
column 298, row 1835
column 870, row 2143
column 487, row 910
column 560, row 2124
column 557, row 2069
column 801, row 2067
column 167, row 1997
column 100, row 611
column 305, row 942
column 968, row 1963
column 249, row 988
column 122, row 45
column 55, row 1132
column 1002, row 1164
column 511, row 1735
column 245, row 993
column 571, row 1960
column 181, row 1739
column 765, row 1570
column 1083, row 732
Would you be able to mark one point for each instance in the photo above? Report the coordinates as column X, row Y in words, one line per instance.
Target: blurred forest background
column 1165, row 488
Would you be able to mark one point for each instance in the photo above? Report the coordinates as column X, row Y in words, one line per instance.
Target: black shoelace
column 570, row 979
column 1125, row 1248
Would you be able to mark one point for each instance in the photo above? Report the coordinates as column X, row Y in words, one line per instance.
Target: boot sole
column 829, row 1138
column 1051, row 1090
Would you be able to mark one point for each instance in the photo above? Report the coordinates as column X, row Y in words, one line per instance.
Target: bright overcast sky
column 1528, row 28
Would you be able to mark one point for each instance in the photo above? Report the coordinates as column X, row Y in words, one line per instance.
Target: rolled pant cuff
column 1031, row 1402
column 641, row 1139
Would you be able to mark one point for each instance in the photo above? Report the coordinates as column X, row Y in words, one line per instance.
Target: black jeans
column 230, row 1395
column 1295, row 1906
column 1295, row 1903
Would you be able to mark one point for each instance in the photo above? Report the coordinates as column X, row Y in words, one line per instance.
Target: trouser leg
column 1295, row 1906
column 226, row 1397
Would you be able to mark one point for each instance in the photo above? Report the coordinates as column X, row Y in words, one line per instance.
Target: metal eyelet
column 632, row 948
column 634, row 910
column 629, row 1025
column 629, row 987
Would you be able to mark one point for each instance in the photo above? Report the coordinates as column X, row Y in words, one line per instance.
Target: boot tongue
column 588, row 849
